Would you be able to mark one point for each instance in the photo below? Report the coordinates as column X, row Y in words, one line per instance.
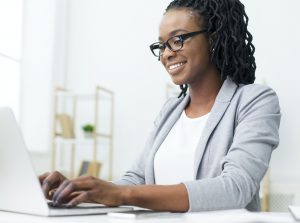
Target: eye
column 175, row 41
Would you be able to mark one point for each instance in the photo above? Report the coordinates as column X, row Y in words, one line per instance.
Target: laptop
column 20, row 190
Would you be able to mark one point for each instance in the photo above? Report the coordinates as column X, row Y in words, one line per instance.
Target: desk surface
column 234, row 216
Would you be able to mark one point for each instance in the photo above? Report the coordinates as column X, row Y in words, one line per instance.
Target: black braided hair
column 232, row 51
column 183, row 88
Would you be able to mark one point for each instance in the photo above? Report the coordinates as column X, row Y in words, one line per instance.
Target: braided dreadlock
column 232, row 49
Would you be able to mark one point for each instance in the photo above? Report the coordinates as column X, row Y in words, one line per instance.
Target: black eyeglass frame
column 182, row 38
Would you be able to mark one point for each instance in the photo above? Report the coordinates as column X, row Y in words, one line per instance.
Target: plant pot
column 88, row 135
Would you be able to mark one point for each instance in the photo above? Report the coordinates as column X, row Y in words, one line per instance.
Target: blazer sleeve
column 255, row 137
column 136, row 174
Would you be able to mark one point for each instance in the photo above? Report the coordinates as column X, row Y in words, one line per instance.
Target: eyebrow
column 173, row 33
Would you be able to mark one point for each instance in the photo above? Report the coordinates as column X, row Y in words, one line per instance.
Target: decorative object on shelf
column 88, row 168
column 66, row 125
column 88, row 130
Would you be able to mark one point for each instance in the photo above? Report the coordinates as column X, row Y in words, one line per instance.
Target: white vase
column 88, row 135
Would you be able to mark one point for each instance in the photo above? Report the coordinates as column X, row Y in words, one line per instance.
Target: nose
column 167, row 54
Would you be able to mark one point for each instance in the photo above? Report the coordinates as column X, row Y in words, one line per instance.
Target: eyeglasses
column 174, row 43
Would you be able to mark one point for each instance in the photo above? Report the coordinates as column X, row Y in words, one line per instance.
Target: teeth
column 175, row 66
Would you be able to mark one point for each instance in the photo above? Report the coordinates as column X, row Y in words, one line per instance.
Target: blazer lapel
column 221, row 104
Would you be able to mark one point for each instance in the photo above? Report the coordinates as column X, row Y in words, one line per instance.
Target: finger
column 52, row 181
column 61, row 187
column 43, row 177
column 84, row 183
column 85, row 178
column 51, row 193
column 65, row 200
column 46, row 187
column 67, row 188
column 70, row 197
column 82, row 197
column 64, row 192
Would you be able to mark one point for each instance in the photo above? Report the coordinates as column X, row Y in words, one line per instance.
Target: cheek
column 200, row 59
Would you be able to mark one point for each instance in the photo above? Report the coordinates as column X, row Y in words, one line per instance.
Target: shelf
column 77, row 141
column 68, row 95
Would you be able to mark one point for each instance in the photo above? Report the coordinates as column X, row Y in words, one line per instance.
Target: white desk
column 237, row 216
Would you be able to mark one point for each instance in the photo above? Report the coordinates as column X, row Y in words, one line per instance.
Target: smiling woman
column 211, row 146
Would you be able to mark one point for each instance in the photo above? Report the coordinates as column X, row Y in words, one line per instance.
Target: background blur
column 79, row 44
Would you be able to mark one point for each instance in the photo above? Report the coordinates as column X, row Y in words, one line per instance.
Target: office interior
column 79, row 45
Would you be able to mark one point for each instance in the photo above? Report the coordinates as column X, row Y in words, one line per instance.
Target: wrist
column 126, row 194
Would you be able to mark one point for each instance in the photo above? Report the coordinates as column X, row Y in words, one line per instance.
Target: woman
column 209, row 148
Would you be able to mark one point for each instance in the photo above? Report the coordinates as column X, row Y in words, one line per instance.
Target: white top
column 174, row 160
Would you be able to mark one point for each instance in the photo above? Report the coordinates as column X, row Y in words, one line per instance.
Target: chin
column 178, row 81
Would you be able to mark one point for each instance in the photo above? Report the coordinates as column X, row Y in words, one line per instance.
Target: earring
column 212, row 48
column 211, row 42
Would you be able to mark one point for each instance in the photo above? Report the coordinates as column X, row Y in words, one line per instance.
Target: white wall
column 42, row 67
column 36, row 72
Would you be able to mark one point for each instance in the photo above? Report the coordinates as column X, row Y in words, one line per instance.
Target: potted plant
column 88, row 130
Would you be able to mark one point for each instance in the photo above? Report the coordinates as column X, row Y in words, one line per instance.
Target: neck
column 203, row 94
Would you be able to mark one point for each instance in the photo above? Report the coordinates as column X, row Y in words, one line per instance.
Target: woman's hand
column 50, row 182
column 88, row 189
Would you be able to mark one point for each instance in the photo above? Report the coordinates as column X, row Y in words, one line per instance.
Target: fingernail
column 55, row 203
column 70, row 204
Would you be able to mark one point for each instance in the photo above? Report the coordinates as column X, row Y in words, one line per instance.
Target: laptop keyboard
column 62, row 206
column 80, row 206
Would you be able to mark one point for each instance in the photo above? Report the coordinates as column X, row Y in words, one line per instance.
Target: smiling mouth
column 175, row 69
column 174, row 66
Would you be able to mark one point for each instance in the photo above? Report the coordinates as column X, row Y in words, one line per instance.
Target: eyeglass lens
column 174, row 44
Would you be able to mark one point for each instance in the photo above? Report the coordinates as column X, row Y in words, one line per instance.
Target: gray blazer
column 233, row 152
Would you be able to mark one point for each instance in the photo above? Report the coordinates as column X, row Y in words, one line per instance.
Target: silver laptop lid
column 20, row 189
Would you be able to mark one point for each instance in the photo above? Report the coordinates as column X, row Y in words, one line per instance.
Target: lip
column 176, row 70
